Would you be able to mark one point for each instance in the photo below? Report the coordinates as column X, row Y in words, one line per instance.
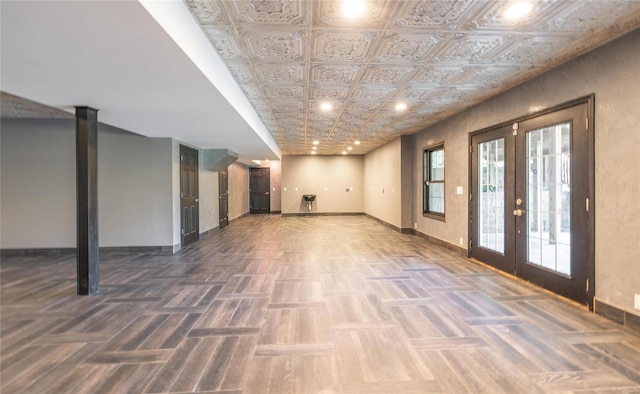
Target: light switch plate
column 636, row 301
column 459, row 190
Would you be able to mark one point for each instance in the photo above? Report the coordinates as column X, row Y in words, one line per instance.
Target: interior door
column 223, row 197
column 259, row 185
column 189, row 212
column 529, row 202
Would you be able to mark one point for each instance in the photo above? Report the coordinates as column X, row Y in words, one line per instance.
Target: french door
column 530, row 197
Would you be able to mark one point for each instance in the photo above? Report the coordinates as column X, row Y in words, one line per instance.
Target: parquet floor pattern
column 301, row 305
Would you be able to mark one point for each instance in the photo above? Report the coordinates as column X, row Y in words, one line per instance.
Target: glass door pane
column 491, row 231
column 548, row 158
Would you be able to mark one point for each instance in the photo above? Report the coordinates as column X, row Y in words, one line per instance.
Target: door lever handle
column 518, row 212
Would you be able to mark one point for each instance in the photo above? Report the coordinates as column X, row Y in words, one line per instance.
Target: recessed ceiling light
column 401, row 106
column 316, row 142
column 344, row 152
column 349, row 148
column 314, row 148
column 353, row 8
column 326, row 106
column 518, row 10
column 356, row 142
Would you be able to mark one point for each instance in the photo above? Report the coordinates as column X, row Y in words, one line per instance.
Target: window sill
column 435, row 216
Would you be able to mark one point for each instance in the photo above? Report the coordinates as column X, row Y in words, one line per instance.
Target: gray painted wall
column 382, row 183
column 38, row 186
column 328, row 177
column 613, row 74
column 38, row 173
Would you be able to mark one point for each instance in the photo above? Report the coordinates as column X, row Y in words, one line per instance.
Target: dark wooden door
column 189, row 210
column 530, row 193
column 223, row 196
column 259, row 185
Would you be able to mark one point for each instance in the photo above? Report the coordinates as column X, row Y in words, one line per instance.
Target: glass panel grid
column 434, row 185
column 548, row 156
column 491, row 226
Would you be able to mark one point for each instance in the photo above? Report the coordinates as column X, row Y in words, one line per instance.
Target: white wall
column 382, row 183
column 328, row 177
column 238, row 190
column 38, row 201
column 611, row 72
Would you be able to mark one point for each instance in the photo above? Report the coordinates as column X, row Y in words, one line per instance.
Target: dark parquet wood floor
column 301, row 305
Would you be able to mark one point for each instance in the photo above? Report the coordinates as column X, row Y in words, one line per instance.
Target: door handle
column 197, row 199
column 266, row 193
column 518, row 212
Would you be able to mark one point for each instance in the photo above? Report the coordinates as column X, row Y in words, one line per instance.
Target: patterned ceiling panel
column 376, row 16
column 437, row 56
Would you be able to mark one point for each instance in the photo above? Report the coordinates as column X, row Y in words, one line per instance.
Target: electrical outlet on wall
column 415, row 225
column 636, row 301
column 460, row 241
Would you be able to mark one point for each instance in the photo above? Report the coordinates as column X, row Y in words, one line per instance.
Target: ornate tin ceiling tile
column 342, row 46
column 225, row 42
column 377, row 14
column 385, row 74
column 440, row 56
column 410, row 48
column 241, row 72
column 333, row 73
column 364, row 106
column 252, row 91
column 373, row 92
column 468, row 49
column 328, row 92
column 430, row 14
column 285, row 92
column 275, row 45
column 208, row 12
column 276, row 12
column 287, row 106
column 290, row 73
column 437, row 75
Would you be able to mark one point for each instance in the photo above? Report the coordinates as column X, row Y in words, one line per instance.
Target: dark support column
column 87, row 199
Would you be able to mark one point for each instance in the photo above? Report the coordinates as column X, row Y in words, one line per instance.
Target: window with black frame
column 433, row 201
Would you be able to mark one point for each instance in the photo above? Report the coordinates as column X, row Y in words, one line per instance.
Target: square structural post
column 87, row 200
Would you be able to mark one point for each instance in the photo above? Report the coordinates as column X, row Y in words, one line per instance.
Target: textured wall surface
column 611, row 72
column 328, row 177
column 382, row 183
column 238, row 190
